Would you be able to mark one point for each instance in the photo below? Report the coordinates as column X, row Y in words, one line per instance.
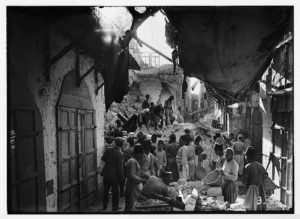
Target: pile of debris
column 131, row 104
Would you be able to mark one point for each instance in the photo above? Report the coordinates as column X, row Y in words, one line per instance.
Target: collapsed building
column 62, row 79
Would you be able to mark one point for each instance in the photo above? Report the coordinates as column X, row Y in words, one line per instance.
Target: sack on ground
column 155, row 185
column 214, row 191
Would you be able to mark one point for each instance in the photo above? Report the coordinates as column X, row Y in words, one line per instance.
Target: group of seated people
column 131, row 159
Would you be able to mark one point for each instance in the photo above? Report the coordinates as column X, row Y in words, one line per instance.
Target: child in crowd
column 205, row 163
column 161, row 156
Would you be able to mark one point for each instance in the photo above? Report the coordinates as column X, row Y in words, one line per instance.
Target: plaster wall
column 27, row 60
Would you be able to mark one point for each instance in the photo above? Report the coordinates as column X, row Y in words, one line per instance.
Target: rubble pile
column 131, row 104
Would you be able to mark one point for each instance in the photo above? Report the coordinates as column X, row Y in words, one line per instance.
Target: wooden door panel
column 65, row 200
column 74, row 199
column 77, row 158
column 90, row 155
column 90, row 164
column 74, row 171
column 26, row 155
column 68, row 160
column 72, row 144
column 65, row 175
column 26, row 164
column 29, row 199
column 89, row 140
column 91, row 184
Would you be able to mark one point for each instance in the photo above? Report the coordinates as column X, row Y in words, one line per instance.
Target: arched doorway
column 77, row 158
column 26, row 167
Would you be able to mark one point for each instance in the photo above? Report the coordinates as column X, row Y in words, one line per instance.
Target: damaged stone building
column 65, row 84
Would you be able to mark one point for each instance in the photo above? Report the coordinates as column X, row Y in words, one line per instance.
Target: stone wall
column 27, row 60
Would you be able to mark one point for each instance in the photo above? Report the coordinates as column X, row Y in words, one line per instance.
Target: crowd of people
column 130, row 159
column 156, row 115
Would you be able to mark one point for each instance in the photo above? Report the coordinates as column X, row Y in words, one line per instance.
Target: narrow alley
column 157, row 109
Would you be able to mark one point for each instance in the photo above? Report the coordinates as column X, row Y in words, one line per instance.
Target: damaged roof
column 228, row 48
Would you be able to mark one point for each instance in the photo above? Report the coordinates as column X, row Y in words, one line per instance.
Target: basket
column 269, row 186
column 213, row 179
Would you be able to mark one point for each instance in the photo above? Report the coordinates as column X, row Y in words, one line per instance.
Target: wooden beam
column 77, row 66
column 98, row 88
column 67, row 48
column 138, row 19
column 87, row 73
column 152, row 48
column 282, row 87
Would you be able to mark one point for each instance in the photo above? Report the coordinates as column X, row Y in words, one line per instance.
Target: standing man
column 253, row 178
column 147, row 161
column 171, row 152
column 181, row 158
column 146, row 114
column 146, row 103
column 168, row 110
column 134, row 178
column 239, row 149
column 113, row 174
column 191, row 160
column 159, row 115
column 229, row 172
column 152, row 115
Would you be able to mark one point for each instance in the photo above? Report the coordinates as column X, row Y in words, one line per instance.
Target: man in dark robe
column 253, row 178
column 113, row 174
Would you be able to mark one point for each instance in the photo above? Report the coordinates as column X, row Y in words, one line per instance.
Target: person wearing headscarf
column 253, row 178
column 229, row 172
column 218, row 138
column 181, row 158
column 218, row 157
column 109, row 142
column 171, row 152
column 239, row 149
column 134, row 180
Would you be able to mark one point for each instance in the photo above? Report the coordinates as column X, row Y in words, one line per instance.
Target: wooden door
column 26, row 168
column 282, row 139
column 76, row 147
column 88, row 157
column 68, row 160
column 280, row 149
